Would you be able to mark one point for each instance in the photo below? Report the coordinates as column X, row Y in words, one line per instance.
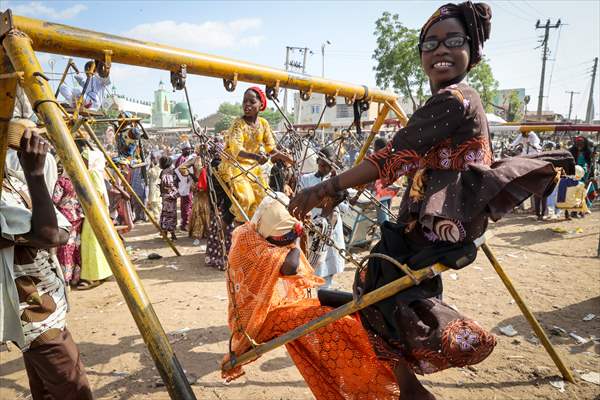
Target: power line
column 527, row 12
column 508, row 10
column 553, row 64
column 528, row 4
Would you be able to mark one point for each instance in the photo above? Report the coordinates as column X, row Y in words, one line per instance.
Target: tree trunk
column 412, row 99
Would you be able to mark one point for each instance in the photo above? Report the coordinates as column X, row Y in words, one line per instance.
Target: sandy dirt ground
column 558, row 274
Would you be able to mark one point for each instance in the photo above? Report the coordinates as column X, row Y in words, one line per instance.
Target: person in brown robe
column 455, row 187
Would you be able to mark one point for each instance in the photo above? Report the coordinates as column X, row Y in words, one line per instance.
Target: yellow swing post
column 71, row 41
column 20, row 52
column 8, row 90
column 535, row 325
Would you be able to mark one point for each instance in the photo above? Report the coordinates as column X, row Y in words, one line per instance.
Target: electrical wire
column 553, row 64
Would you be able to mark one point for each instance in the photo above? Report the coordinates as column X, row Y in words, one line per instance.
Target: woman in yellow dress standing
column 94, row 266
column 250, row 141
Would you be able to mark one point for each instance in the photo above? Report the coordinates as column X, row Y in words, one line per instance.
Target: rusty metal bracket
column 305, row 95
column 272, row 92
column 103, row 66
column 178, row 77
column 330, row 100
column 230, row 84
column 350, row 100
column 6, row 23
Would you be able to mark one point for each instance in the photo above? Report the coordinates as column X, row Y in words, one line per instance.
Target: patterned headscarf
column 474, row 17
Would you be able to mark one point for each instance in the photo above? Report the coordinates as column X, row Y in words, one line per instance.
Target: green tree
column 482, row 80
column 273, row 116
column 399, row 64
column 228, row 112
column 514, row 111
column 398, row 61
column 224, row 122
column 234, row 110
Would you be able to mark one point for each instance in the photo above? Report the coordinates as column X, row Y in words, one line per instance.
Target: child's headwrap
column 274, row 222
column 261, row 96
column 475, row 19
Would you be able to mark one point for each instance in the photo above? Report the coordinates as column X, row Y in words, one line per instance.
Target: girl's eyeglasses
column 451, row 42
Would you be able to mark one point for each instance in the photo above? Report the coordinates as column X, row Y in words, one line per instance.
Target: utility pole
column 295, row 66
column 287, row 66
column 544, row 44
column 589, row 115
column 571, row 102
column 325, row 43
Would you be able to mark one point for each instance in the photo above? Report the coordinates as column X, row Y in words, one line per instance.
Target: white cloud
column 209, row 34
column 40, row 10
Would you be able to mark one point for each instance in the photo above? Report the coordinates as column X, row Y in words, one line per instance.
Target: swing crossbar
column 417, row 276
column 75, row 42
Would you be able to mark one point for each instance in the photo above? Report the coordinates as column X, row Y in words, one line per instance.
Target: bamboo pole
column 539, row 331
column 21, row 54
column 123, row 180
column 368, row 299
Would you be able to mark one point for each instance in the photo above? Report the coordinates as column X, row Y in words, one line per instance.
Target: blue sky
column 258, row 32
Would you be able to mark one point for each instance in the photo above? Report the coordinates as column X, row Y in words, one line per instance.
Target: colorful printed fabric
column 251, row 139
column 36, row 297
column 69, row 254
column 214, row 250
column 455, row 185
column 336, row 361
column 169, row 194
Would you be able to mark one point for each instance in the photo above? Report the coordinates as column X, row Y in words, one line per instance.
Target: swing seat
column 333, row 298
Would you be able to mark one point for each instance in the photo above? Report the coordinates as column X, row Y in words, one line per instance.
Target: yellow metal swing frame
column 20, row 36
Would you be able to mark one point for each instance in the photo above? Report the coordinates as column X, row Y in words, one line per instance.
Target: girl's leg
column 410, row 387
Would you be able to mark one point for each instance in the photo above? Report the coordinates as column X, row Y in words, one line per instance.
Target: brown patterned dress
column 455, row 186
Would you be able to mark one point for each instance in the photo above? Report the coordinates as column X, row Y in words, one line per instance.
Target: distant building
column 166, row 113
column 119, row 103
column 339, row 116
column 547, row 116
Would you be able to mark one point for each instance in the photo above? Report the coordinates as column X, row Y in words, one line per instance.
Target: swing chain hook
column 330, row 100
column 103, row 66
column 230, row 84
column 272, row 92
column 306, row 94
column 178, row 77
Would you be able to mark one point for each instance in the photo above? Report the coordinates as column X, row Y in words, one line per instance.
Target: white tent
column 493, row 119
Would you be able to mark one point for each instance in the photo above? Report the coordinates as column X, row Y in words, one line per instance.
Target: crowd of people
column 217, row 192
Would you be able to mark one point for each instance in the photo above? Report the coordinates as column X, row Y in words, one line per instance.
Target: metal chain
column 206, row 163
column 311, row 145
column 271, row 193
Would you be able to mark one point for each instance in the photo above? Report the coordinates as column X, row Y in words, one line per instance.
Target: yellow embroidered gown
column 252, row 139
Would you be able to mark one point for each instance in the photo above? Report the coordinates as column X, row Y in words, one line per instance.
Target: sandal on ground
column 87, row 285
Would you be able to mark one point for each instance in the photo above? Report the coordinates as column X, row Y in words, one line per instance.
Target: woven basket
column 16, row 127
